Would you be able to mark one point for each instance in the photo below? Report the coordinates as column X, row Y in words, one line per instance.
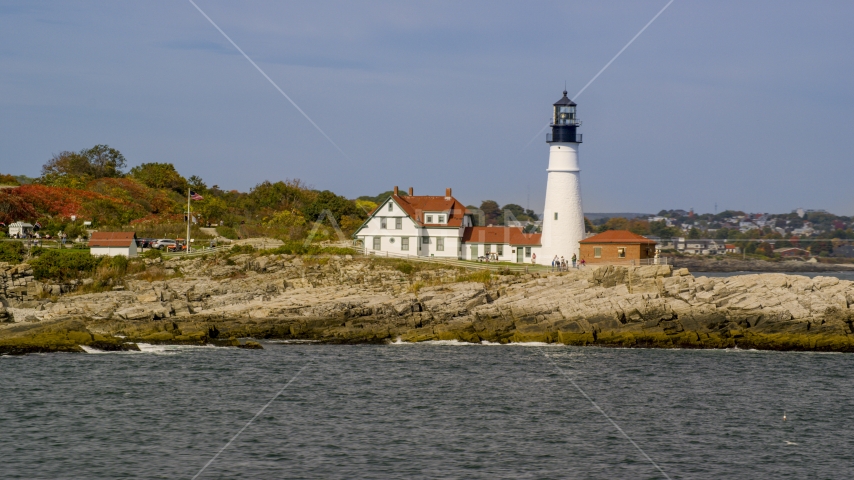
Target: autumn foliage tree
column 160, row 176
column 76, row 169
column 13, row 207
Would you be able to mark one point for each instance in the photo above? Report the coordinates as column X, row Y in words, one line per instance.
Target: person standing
column 574, row 259
column 554, row 263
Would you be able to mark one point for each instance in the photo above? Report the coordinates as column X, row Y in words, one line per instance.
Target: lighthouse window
column 555, row 215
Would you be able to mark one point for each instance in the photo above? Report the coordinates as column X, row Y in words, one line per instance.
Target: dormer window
column 429, row 219
column 441, row 219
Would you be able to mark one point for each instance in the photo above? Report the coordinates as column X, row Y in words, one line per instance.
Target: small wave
column 398, row 341
column 92, row 350
column 169, row 349
column 292, row 342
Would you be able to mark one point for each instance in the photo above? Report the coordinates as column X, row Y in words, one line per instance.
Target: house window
column 425, row 240
column 527, row 252
column 376, row 243
column 404, row 243
column 390, row 206
column 500, row 250
column 383, row 224
column 441, row 219
column 555, row 215
column 429, row 219
column 487, row 248
column 398, row 223
column 621, row 252
column 597, row 252
column 440, row 244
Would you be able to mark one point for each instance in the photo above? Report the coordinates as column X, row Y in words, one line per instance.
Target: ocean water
column 433, row 410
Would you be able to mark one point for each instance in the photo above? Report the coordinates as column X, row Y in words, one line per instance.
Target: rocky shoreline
column 699, row 264
column 227, row 299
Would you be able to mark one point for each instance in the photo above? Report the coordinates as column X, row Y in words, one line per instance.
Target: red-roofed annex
column 113, row 244
column 616, row 246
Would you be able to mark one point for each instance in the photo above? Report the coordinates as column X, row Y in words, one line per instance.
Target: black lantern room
column 564, row 122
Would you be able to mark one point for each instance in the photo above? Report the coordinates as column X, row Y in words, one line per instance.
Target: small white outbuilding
column 20, row 229
column 113, row 244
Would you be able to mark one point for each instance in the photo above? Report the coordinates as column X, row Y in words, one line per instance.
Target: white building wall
column 507, row 255
column 408, row 229
column 114, row 251
column 563, row 196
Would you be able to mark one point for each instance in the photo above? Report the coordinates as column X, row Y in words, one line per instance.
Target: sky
column 717, row 105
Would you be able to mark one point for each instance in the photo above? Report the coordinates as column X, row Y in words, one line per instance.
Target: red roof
column 500, row 235
column 416, row 206
column 112, row 239
column 618, row 236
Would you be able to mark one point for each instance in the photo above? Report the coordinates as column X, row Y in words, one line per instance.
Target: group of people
column 560, row 264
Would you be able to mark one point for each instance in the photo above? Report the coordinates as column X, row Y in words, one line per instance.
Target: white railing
column 454, row 262
column 197, row 253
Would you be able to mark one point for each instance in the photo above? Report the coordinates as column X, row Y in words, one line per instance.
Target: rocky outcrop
column 342, row 300
column 719, row 263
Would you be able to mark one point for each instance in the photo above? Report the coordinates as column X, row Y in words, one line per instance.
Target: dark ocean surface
column 434, row 410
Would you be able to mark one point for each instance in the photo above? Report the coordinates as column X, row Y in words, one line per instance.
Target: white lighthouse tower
column 563, row 218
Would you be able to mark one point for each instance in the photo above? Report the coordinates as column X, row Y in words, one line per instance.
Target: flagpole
column 188, row 222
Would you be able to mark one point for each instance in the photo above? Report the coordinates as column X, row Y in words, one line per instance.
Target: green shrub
column 405, row 267
column 11, row 252
column 227, row 232
column 65, row 264
column 242, row 249
column 152, row 253
column 299, row 248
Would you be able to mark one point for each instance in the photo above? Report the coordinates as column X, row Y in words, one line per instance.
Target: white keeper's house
column 436, row 226
column 424, row 226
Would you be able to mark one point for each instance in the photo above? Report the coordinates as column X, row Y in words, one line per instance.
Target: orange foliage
column 62, row 201
column 155, row 219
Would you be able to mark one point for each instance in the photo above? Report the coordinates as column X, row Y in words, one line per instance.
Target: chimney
column 447, row 193
column 395, row 190
column 410, row 191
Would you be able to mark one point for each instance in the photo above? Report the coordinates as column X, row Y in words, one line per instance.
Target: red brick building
column 616, row 246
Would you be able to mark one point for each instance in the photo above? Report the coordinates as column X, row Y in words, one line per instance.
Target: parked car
column 165, row 243
column 144, row 242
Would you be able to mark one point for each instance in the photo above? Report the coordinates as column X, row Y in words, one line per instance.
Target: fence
column 453, row 262
column 197, row 253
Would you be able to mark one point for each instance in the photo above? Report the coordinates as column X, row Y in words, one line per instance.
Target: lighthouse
column 563, row 217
